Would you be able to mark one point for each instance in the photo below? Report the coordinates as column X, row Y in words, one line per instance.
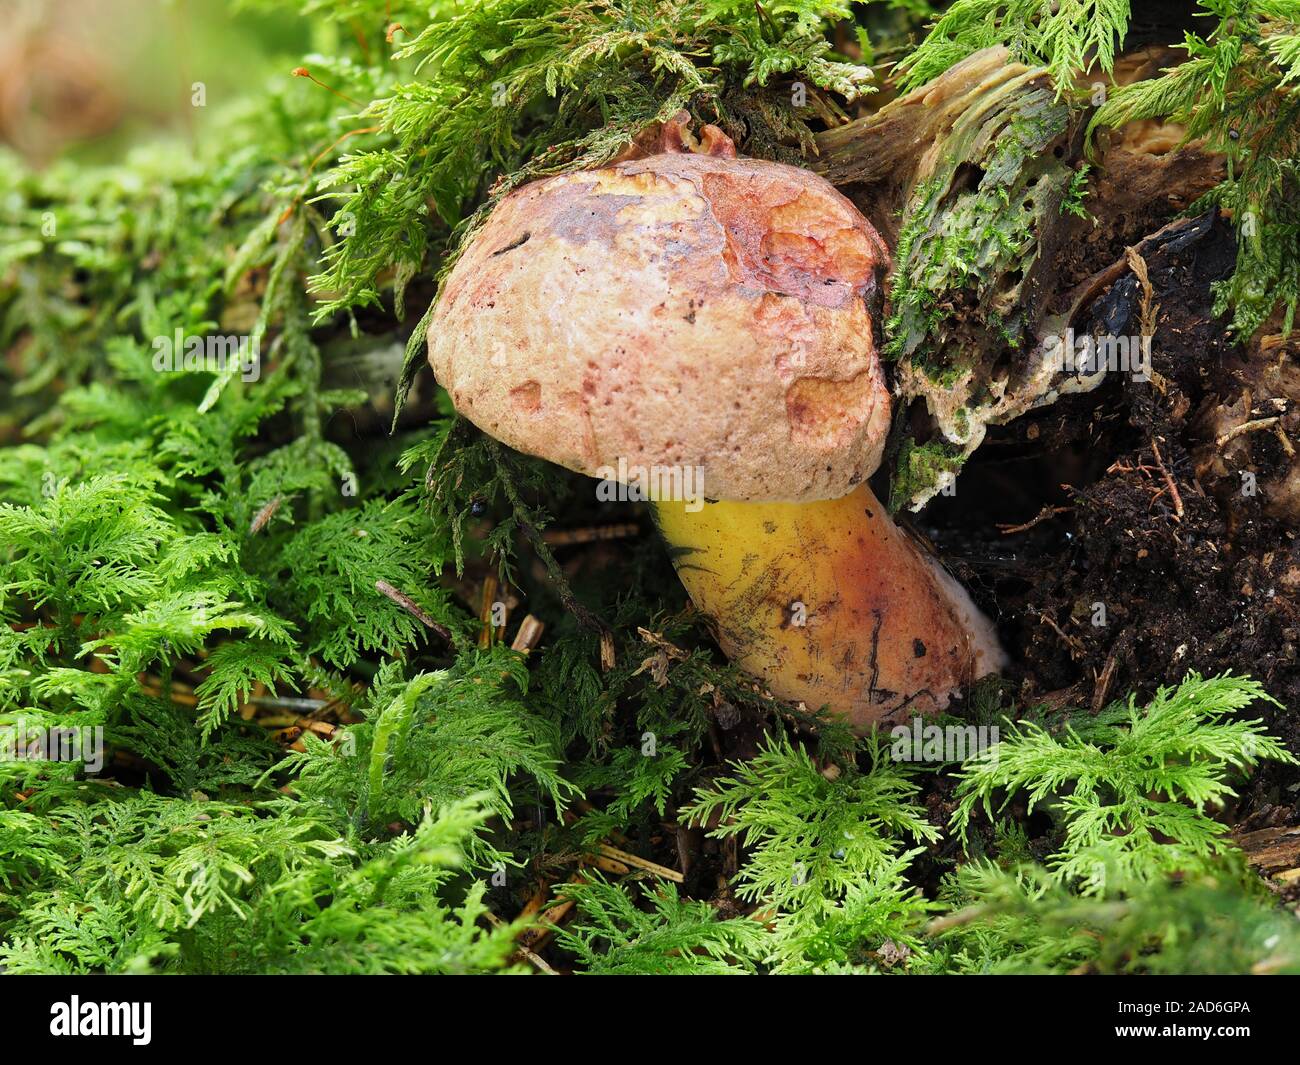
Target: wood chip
column 529, row 635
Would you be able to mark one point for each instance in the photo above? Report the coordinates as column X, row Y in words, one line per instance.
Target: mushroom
column 699, row 327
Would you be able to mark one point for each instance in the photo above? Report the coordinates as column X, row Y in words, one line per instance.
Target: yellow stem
column 830, row 603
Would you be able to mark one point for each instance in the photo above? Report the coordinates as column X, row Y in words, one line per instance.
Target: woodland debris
column 642, row 863
column 1273, row 851
column 413, row 608
column 1258, row 425
column 1169, row 481
column 590, row 534
column 529, row 634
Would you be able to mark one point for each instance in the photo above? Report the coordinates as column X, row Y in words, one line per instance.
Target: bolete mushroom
column 701, row 325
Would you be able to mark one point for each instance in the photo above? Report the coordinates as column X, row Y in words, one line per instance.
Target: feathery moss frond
column 1132, row 789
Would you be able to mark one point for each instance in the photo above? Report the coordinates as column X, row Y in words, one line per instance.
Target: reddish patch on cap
column 527, row 397
column 828, row 414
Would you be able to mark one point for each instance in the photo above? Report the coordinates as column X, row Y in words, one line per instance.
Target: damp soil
column 1118, row 546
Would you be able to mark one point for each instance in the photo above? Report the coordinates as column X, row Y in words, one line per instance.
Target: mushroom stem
column 830, row 603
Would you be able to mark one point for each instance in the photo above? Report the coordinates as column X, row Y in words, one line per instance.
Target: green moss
column 920, row 468
column 185, row 558
column 959, row 243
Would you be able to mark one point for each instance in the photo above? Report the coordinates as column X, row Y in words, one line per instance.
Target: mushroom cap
column 679, row 310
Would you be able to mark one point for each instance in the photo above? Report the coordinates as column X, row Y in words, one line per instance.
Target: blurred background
column 84, row 78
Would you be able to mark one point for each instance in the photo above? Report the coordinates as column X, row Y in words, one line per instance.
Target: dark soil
column 1126, row 587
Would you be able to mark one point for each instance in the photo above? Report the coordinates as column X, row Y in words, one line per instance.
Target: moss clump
column 970, row 232
column 922, row 469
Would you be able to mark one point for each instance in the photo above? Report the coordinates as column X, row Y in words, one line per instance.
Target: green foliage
column 1073, row 203
column 921, row 469
column 169, row 533
column 1130, row 788
column 390, row 914
column 876, row 925
column 639, row 779
column 1025, row 922
column 330, row 570
column 465, row 473
column 144, row 882
column 826, row 850
column 435, row 739
column 190, row 562
column 1066, row 37
column 612, row 936
column 811, row 837
column 1237, row 90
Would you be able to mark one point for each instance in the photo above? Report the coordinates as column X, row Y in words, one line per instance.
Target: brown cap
column 681, row 309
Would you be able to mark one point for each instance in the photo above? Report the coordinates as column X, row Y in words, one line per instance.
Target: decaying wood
column 880, row 157
column 1273, row 851
column 985, row 158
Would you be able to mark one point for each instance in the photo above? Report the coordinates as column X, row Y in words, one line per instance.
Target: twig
column 553, row 915
column 413, row 608
column 288, row 721
column 590, row 534
column 1169, row 482
column 289, row 703
column 956, row 920
column 1246, row 427
column 642, row 863
column 1043, row 515
column 1104, row 679
column 1284, row 440
column 487, row 632
column 1070, row 641
column 538, row 961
